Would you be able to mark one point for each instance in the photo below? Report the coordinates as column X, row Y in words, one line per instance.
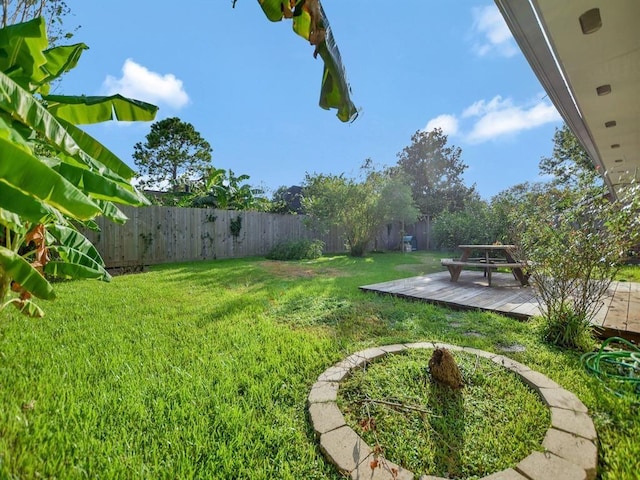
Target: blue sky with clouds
column 251, row 87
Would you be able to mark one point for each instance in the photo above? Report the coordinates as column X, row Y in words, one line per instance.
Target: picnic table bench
column 486, row 263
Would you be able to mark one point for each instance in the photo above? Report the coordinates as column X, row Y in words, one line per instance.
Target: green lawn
column 202, row 370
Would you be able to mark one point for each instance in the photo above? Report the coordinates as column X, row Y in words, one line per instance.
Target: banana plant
column 310, row 22
column 54, row 177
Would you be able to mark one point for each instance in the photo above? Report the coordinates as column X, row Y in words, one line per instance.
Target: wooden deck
column 619, row 315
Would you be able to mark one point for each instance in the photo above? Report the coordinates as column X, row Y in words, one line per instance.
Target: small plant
column 566, row 328
column 296, row 250
column 147, row 241
column 235, row 226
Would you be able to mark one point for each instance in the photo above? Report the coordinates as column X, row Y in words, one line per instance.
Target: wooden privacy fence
column 156, row 234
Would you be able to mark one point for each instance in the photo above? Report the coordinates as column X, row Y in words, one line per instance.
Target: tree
column 53, row 176
column 360, row 209
column 397, row 203
column 569, row 165
column 287, row 200
column 471, row 225
column 174, row 155
column 434, row 172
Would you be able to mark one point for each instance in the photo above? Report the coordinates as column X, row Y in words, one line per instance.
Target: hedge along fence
column 156, row 234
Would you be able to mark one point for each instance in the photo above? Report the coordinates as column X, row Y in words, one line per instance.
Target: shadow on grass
column 447, row 424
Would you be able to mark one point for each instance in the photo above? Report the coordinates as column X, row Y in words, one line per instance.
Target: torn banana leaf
column 310, row 22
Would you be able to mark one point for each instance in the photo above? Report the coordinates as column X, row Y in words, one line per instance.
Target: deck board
column 618, row 316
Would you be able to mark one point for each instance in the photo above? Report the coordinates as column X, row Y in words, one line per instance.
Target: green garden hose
column 619, row 370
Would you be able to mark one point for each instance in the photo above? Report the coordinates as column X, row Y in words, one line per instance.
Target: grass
column 202, row 370
column 629, row 273
column 487, row 426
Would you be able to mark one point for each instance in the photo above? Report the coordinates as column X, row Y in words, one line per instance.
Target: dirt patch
column 128, row 270
column 294, row 270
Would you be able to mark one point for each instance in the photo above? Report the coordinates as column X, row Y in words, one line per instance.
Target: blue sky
column 251, row 87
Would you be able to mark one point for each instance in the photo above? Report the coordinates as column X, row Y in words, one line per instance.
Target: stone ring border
column 570, row 443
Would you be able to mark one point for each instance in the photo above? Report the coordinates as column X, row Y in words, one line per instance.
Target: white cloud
column 500, row 117
column 494, row 34
column 142, row 84
column 484, row 120
column 448, row 124
column 482, row 107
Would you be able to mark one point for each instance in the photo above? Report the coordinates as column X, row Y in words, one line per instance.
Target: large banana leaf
column 83, row 110
column 110, row 211
column 27, row 110
column 16, row 202
column 108, row 161
column 311, row 23
column 21, row 52
column 23, row 273
column 24, row 172
column 75, row 264
column 60, row 60
column 24, row 108
column 71, row 238
column 95, row 185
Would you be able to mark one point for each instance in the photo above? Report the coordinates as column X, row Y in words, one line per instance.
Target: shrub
column 575, row 241
column 296, row 250
column 566, row 328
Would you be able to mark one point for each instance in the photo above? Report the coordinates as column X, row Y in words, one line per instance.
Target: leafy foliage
column 296, row 250
column 574, row 236
column 227, row 191
column 287, row 200
column 472, row 225
column 173, row 155
column 575, row 240
column 569, row 165
column 53, row 176
column 359, row 209
column 434, row 172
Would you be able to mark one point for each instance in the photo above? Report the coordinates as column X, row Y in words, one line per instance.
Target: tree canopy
column 174, row 154
column 434, row 171
column 569, row 164
column 359, row 208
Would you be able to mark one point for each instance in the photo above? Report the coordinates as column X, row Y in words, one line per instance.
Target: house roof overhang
column 571, row 65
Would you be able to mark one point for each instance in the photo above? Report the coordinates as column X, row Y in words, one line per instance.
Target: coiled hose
column 618, row 370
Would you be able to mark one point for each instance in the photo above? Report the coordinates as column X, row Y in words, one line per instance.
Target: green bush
column 296, row 250
column 566, row 328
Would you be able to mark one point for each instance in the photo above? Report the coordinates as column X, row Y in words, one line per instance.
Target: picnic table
column 491, row 258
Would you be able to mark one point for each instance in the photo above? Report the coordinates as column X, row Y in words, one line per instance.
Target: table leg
column 454, row 271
